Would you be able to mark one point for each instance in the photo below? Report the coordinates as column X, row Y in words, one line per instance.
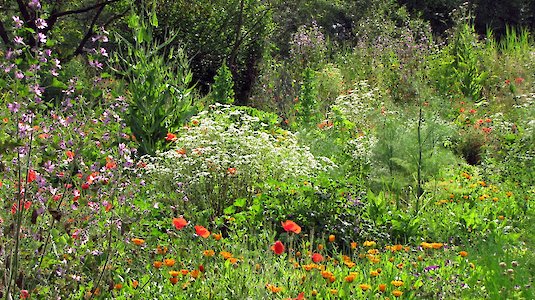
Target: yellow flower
column 353, row 245
column 334, row 291
column 369, row 243
column 374, row 273
column 174, row 273
column 208, row 253
column 364, row 286
column 397, row 283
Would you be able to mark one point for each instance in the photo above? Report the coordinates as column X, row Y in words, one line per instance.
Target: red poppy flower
column 170, row 137
column 278, row 248
column 31, row 176
column 69, row 154
column 316, row 257
column 180, row 223
column 201, row 231
column 291, row 226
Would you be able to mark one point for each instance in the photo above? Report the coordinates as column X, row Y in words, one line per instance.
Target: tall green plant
column 307, row 108
column 223, row 91
column 160, row 83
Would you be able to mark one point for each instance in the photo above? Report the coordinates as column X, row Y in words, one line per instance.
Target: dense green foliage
column 378, row 157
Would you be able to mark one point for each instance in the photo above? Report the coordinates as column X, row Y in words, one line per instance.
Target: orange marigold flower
column 157, row 264
column 208, row 253
column 397, row 293
column 169, row 262
column 332, row 238
column 320, row 247
column 382, row 287
column 374, row 273
column 463, row 253
column 225, row 254
column 291, row 226
column 326, row 274
column 184, row 272
column 174, row 273
column 173, row 280
column 180, row 223
column 195, row 273
column 217, row 236
column 138, row 242
column 118, row 286
column 364, row 286
column 161, row 250
column 232, row 260
column 135, row 283
column 353, row 245
column 201, row 231
column 272, row 288
column 436, row 245
column 349, row 278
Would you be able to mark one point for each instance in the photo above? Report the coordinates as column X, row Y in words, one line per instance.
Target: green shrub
column 223, row 88
column 161, row 94
column 225, row 152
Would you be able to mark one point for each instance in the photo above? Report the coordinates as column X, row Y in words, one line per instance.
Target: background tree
column 71, row 23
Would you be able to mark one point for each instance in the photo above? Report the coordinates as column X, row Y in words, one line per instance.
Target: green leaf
column 58, row 84
column 240, row 202
column 154, row 20
column 229, row 210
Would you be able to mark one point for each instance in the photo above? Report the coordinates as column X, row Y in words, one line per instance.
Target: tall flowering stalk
column 64, row 165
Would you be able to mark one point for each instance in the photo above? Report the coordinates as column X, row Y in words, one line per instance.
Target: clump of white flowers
column 227, row 142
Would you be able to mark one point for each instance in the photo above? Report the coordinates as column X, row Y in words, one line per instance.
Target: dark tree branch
column 28, row 19
column 3, row 34
column 24, row 12
column 54, row 17
column 89, row 32
column 115, row 17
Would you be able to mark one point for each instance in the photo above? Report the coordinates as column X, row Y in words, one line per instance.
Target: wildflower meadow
column 244, row 149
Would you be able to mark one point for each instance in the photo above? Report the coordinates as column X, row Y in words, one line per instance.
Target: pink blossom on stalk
column 18, row 40
column 41, row 37
column 19, row 75
column 35, row 4
column 41, row 24
column 18, row 22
